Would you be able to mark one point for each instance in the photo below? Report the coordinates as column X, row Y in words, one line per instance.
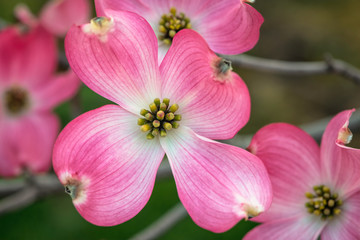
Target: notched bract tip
column 251, row 211
column 344, row 135
column 222, row 69
column 247, row 210
column 99, row 26
column 75, row 187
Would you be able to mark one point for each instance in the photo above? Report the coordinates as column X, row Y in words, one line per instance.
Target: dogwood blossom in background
column 228, row 26
column 107, row 158
column 57, row 16
column 29, row 89
column 316, row 191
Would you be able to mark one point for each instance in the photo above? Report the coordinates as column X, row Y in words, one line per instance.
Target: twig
column 10, row 187
column 18, row 200
column 164, row 223
column 23, row 193
column 329, row 66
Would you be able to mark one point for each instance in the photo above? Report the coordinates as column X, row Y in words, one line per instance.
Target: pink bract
column 29, row 90
column 229, row 26
column 57, row 16
column 108, row 165
column 296, row 164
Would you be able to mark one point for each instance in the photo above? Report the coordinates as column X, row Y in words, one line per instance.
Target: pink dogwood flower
column 228, row 26
column 29, row 90
column 107, row 158
column 316, row 190
column 57, row 16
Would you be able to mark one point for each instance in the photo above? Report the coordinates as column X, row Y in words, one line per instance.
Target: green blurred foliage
column 294, row 30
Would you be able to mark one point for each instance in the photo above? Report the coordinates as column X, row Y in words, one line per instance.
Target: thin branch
column 18, row 200
column 10, row 187
column 24, row 193
column 163, row 224
column 329, row 66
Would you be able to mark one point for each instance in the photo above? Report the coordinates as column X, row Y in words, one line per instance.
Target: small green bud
column 141, row 121
column 174, row 108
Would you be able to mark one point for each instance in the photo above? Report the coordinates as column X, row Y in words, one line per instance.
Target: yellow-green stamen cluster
column 159, row 119
column 170, row 24
column 16, row 100
column 323, row 203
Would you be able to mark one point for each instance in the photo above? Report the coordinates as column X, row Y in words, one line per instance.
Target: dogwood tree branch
column 328, row 66
column 18, row 200
column 10, row 187
column 163, row 224
column 28, row 192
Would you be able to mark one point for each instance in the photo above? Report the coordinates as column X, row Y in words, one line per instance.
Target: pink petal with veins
column 288, row 228
column 214, row 104
column 347, row 224
column 341, row 164
column 57, row 16
column 110, row 163
column 292, row 158
column 135, row 6
column 218, row 184
column 117, row 60
column 230, row 27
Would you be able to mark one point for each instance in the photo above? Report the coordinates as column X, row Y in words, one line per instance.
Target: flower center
column 323, row 203
column 16, row 100
column 159, row 119
column 172, row 23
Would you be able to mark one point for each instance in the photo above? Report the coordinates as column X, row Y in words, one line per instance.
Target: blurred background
column 294, row 30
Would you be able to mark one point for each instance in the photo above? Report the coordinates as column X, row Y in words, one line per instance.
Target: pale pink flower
column 228, row 26
column 107, row 158
column 57, row 16
column 29, row 90
column 316, row 190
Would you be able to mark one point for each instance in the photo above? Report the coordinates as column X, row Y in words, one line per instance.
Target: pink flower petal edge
column 237, row 32
column 135, row 6
column 341, row 164
column 229, row 26
column 292, row 158
column 58, row 16
column 27, row 58
column 214, row 104
column 287, row 228
column 112, row 64
column 27, row 144
column 60, row 88
column 218, row 184
column 107, row 165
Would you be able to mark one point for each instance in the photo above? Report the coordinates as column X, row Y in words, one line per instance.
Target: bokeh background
column 294, row 30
